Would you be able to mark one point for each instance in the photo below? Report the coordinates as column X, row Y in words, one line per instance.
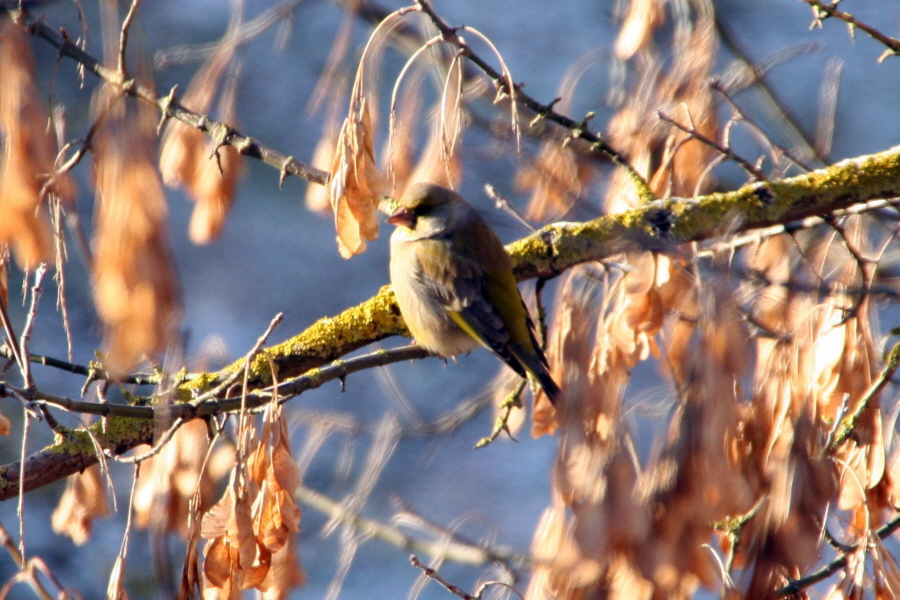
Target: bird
column 454, row 283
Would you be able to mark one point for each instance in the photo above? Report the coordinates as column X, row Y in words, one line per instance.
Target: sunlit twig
column 824, row 10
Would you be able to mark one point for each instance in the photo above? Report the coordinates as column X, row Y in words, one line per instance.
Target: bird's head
column 427, row 210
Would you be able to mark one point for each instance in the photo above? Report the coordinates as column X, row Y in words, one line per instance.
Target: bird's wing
column 481, row 306
column 488, row 307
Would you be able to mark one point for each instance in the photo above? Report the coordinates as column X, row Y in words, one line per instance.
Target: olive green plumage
column 454, row 283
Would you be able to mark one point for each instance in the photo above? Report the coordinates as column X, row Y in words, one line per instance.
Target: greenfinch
column 454, row 283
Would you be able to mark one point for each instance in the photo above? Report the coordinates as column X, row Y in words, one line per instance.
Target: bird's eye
column 421, row 210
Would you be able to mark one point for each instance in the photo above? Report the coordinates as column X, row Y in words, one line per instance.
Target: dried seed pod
column 28, row 154
column 135, row 286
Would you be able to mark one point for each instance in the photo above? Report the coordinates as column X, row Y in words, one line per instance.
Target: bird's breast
column 423, row 306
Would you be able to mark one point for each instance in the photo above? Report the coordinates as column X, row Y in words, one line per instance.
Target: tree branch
column 660, row 225
column 547, row 253
column 830, row 10
column 579, row 130
column 795, row 588
column 169, row 107
column 129, row 426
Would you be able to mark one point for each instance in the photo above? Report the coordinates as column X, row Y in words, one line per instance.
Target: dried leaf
column 216, row 177
column 213, row 189
column 218, row 565
column 180, row 150
column 215, row 521
column 239, row 532
column 275, row 513
column 182, row 147
column 285, row 573
column 208, row 169
column 258, row 516
column 234, row 560
column 135, row 286
column 115, row 590
column 556, row 178
column 284, row 471
column 317, row 196
column 28, row 154
column 169, row 482
column 594, row 516
column 668, row 158
column 356, row 183
column 191, row 574
column 276, row 517
column 636, row 32
column 83, row 501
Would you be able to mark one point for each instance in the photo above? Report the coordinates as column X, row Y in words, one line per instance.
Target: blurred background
column 276, row 256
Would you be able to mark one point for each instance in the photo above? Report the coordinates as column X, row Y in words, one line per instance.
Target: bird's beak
column 402, row 216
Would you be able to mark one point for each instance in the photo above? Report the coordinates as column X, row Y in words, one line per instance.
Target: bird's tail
column 536, row 366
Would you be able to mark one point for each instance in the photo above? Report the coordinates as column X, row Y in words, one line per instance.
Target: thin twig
column 26, row 571
column 797, row 586
column 170, row 107
column 503, row 82
column 742, row 116
column 501, row 423
column 20, row 508
column 60, row 255
column 36, row 292
column 83, row 147
column 506, row 206
column 507, row 559
column 164, row 439
column 848, row 424
column 94, row 371
column 248, row 358
column 338, row 370
column 123, row 36
column 830, row 10
column 727, row 152
column 12, row 340
column 432, row 574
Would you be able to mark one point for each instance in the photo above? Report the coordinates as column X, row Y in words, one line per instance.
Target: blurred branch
column 739, row 115
column 753, row 74
column 456, row 551
column 247, row 32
